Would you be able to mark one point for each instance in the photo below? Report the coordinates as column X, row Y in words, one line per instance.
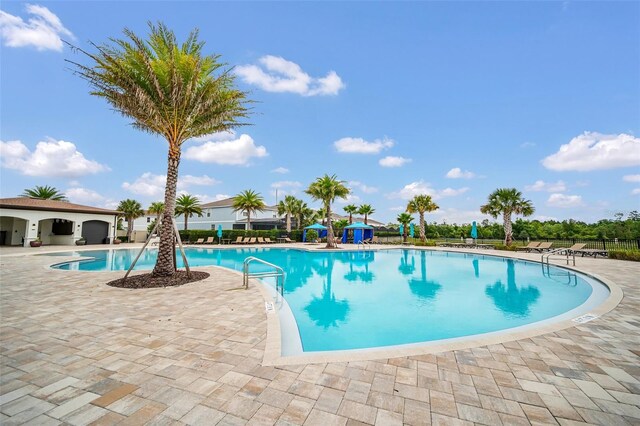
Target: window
column 213, row 226
column 148, row 219
column 208, row 214
column 238, row 226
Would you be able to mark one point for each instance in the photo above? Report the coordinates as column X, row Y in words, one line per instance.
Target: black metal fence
column 599, row 244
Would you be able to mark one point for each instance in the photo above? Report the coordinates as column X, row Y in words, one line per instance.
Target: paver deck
column 75, row 351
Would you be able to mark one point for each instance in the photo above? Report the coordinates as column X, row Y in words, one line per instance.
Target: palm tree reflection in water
column 359, row 266
column 327, row 311
column 405, row 267
column 423, row 288
column 511, row 300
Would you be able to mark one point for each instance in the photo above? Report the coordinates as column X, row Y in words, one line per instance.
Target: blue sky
column 450, row 99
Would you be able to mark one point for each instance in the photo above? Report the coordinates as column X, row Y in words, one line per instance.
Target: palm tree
column 404, row 219
column 287, row 207
column 421, row 204
column 188, row 205
column 327, row 189
column 131, row 210
column 168, row 89
column 366, row 210
column 507, row 201
column 248, row 201
column 300, row 211
column 156, row 208
column 44, row 193
column 351, row 209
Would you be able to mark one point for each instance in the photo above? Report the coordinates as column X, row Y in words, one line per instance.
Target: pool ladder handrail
column 278, row 273
column 364, row 245
column 558, row 251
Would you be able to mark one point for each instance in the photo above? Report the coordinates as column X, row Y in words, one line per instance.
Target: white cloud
column 543, row 218
column 635, row 191
column 51, row 158
column 280, row 170
column 526, row 145
column 362, row 187
column 565, row 201
column 453, row 215
column 595, row 151
column 286, row 184
column 541, row 185
column 89, row 197
column 457, row 173
column 398, row 208
column 391, row 161
column 152, row 185
column 361, row 146
column 631, row 178
column 215, row 137
column 42, row 30
column 233, row 152
column 276, row 74
column 351, row 199
column 420, row 187
column 205, row 198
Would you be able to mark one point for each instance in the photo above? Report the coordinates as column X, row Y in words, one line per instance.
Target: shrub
column 427, row 243
column 632, row 255
column 312, row 235
column 512, row 247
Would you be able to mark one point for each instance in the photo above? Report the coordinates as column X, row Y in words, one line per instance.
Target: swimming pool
column 344, row 300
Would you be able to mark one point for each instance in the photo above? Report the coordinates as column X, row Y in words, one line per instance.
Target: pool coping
column 273, row 341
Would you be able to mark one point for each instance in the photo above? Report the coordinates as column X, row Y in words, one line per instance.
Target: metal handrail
column 558, row 251
column 279, row 273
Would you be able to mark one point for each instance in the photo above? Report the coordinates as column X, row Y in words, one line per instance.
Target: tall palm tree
column 327, row 189
column 188, row 205
column 168, row 89
column 404, row 219
column 420, row 204
column 300, row 212
column 156, row 208
column 248, row 201
column 287, row 207
column 131, row 210
column 351, row 209
column 44, row 193
column 507, row 201
column 366, row 210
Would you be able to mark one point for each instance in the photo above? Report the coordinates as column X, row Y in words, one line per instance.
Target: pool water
column 364, row 299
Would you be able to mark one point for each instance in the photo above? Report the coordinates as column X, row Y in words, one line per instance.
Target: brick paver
column 75, row 351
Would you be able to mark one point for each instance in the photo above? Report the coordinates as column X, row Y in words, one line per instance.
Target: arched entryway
column 56, row 231
column 12, row 231
column 95, row 232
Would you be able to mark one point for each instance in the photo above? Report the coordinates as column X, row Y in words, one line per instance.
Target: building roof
column 372, row 222
column 25, row 203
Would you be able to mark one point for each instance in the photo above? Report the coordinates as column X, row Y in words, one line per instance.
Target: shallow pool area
column 343, row 300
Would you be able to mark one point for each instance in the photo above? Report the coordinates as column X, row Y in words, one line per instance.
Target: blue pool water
column 353, row 300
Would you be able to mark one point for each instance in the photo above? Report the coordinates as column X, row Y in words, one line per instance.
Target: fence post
column 604, row 244
column 638, row 243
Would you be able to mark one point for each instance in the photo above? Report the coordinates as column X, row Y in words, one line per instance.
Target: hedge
column 632, row 255
column 232, row 234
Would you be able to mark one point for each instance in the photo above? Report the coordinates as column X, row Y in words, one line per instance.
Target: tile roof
column 26, row 203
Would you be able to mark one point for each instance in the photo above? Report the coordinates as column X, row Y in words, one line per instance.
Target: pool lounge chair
column 199, row 241
column 268, row 240
column 209, row 240
column 573, row 248
column 238, row 241
column 252, row 240
column 532, row 245
column 542, row 247
column 261, row 240
column 288, row 240
column 592, row 252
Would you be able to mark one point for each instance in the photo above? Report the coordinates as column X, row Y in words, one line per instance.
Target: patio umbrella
column 474, row 230
column 219, row 233
column 411, row 231
column 401, row 229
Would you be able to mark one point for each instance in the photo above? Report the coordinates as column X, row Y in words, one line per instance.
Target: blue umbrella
column 411, row 231
column 401, row 229
column 219, row 233
column 474, row 230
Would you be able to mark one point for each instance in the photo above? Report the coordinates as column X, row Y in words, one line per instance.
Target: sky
column 450, row 99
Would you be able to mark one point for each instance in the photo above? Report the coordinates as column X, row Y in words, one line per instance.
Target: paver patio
column 75, row 351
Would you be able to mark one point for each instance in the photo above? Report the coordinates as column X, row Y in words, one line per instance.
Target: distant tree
column 421, row 204
column 350, row 209
column 507, row 201
column 404, row 219
column 188, row 205
column 287, row 207
column 156, row 208
column 327, row 189
column 169, row 89
column 366, row 210
column 44, row 193
column 248, row 201
column 131, row 210
column 339, row 225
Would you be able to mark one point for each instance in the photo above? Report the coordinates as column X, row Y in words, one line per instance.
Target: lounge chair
column 592, row 252
column 574, row 248
column 199, row 241
column 532, row 245
column 288, row 240
column 209, row 240
column 268, row 240
column 261, row 240
column 375, row 240
column 238, row 241
column 542, row 247
column 252, row 240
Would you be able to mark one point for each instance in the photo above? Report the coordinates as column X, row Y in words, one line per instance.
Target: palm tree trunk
column 164, row 264
column 507, row 229
column 186, row 220
column 330, row 239
column 288, row 223
column 404, row 233
column 248, row 220
column 365, row 219
column 422, row 234
column 350, row 218
column 129, row 228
